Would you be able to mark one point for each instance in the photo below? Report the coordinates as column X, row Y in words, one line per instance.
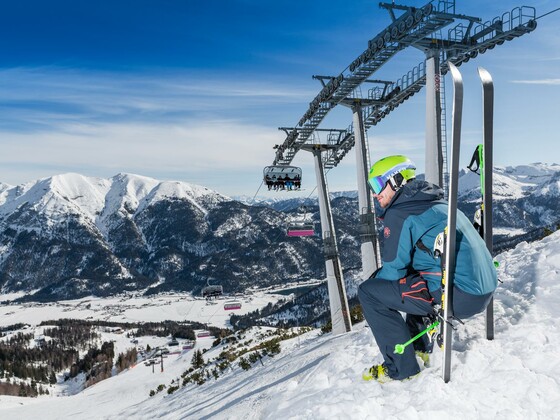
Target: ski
column 486, row 172
column 476, row 165
column 448, row 267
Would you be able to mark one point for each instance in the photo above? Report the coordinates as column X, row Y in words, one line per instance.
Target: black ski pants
column 382, row 301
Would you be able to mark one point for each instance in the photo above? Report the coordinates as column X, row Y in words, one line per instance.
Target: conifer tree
column 197, row 359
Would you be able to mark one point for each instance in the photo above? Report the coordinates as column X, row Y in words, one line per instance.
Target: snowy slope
column 95, row 198
column 515, row 376
column 510, row 182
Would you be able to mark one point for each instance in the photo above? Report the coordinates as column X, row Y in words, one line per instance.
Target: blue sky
column 196, row 90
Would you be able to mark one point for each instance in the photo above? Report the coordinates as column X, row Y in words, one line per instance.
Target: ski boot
column 377, row 372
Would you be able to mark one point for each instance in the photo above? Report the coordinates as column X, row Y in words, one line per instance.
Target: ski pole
column 399, row 348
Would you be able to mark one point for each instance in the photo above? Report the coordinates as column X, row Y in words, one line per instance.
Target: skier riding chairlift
column 282, row 178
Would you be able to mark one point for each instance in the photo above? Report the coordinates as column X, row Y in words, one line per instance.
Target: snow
column 508, row 231
column 180, row 190
column 514, row 182
column 97, row 199
column 130, row 308
column 87, row 193
column 514, row 376
column 125, row 193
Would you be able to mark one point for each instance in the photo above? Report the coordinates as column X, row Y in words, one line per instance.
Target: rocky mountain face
column 70, row 236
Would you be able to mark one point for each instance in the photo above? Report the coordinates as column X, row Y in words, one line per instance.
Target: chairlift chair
column 282, row 178
column 212, row 290
column 230, row 306
column 301, row 227
column 188, row 345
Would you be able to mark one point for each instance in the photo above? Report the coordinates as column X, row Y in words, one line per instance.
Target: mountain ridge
column 71, row 235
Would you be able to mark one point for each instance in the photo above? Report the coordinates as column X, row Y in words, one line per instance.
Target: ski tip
column 455, row 73
column 484, row 74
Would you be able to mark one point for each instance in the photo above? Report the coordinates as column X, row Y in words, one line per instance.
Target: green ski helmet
column 396, row 170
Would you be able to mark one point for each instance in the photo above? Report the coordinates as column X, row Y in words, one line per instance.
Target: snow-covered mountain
column 69, row 236
column 514, row 376
column 512, row 182
column 525, row 196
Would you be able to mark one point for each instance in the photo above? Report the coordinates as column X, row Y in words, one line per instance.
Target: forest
column 29, row 363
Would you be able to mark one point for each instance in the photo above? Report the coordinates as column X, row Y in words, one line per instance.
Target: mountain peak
column 92, row 197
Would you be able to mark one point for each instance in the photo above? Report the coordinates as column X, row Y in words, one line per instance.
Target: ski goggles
column 377, row 183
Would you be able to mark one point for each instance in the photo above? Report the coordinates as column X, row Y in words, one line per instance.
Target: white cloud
column 166, row 126
column 539, row 82
column 101, row 94
column 194, row 146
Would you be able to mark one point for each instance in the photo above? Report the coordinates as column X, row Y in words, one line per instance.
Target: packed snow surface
column 514, row 376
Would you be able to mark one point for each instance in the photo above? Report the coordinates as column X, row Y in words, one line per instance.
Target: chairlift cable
column 548, row 13
column 216, row 311
column 258, row 189
column 222, row 252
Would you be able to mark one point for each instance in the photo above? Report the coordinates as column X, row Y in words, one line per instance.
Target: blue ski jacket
column 412, row 220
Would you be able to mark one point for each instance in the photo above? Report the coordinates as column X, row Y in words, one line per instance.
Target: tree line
column 29, row 364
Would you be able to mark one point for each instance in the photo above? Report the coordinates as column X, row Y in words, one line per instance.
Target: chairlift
column 282, row 178
column 212, row 290
column 188, row 345
column 301, row 227
column 233, row 305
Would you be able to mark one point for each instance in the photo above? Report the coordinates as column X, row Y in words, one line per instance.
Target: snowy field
column 515, row 376
column 163, row 307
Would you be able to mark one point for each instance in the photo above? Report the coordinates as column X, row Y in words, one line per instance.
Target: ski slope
column 515, row 376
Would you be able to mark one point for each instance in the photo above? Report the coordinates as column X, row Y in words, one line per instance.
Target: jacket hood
column 413, row 192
